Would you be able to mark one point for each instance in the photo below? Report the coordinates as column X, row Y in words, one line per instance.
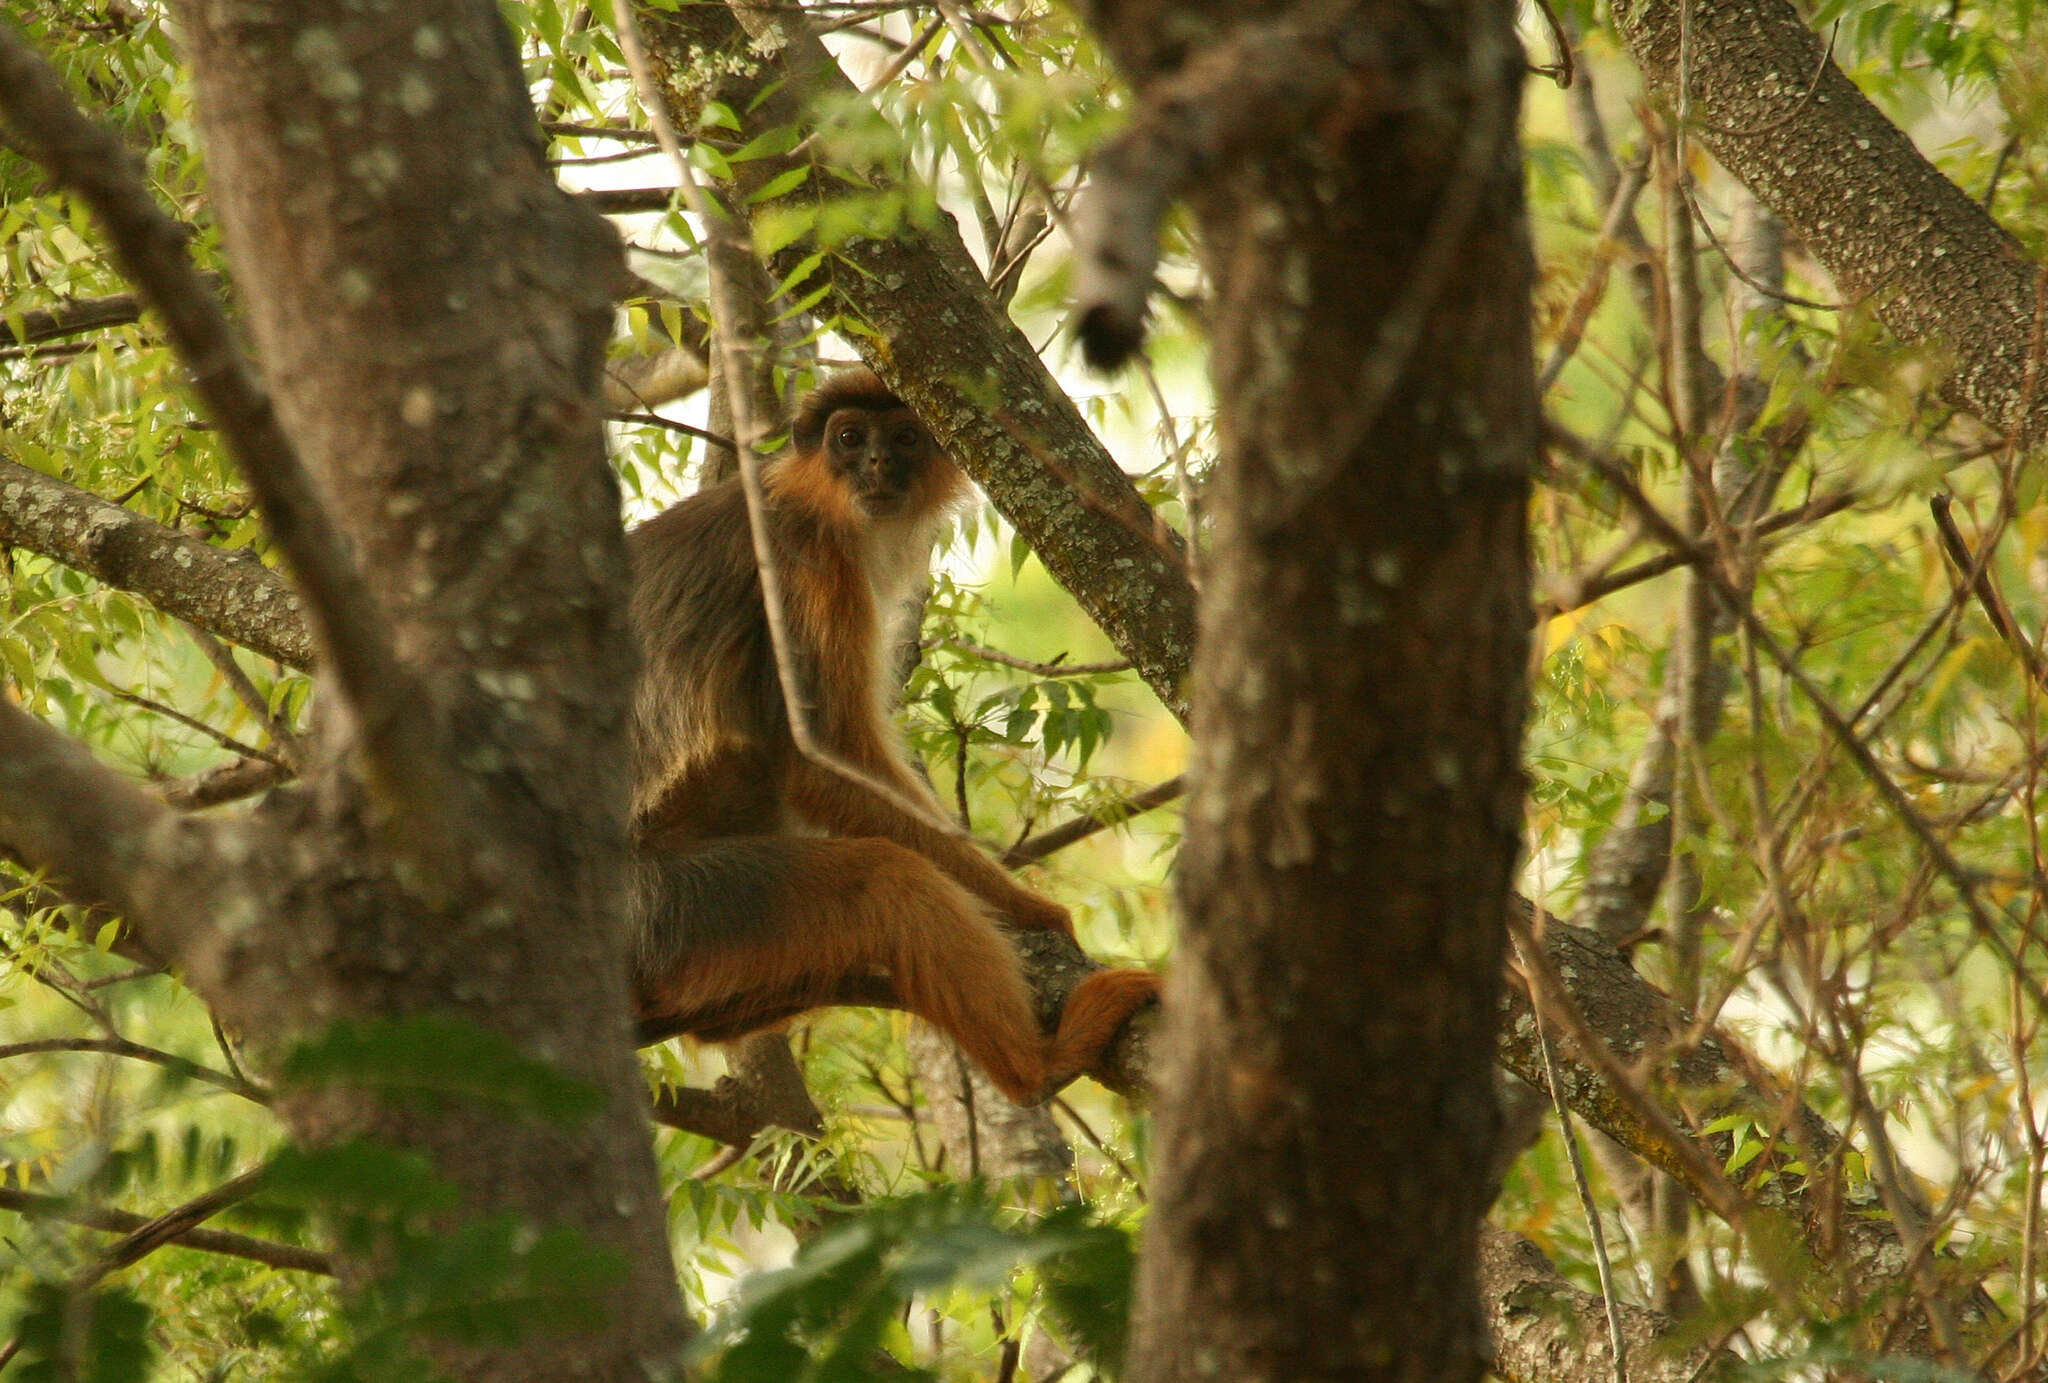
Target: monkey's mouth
column 883, row 504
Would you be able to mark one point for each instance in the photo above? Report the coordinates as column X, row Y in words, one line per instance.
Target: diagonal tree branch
column 117, row 1046
column 228, row 594
column 1782, row 117
column 107, row 841
column 31, row 1205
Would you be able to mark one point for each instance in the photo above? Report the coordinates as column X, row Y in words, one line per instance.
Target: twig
column 1565, row 67
column 119, row 1046
column 1685, row 188
column 1082, row 827
column 716, row 439
column 220, row 737
column 1095, row 1141
column 624, row 134
column 282, row 736
column 1054, row 668
column 1620, row 207
column 1975, row 572
column 42, row 1207
column 1574, row 1154
column 152, row 1235
column 725, row 1157
column 907, row 56
column 1812, row 85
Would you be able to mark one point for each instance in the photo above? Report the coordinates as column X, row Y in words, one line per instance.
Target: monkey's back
column 709, row 731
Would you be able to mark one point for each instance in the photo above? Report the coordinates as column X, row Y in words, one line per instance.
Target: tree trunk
column 1325, row 1112
column 431, row 313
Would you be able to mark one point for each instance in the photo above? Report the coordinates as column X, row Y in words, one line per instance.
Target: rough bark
column 1547, row 1331
column 229, row 594
column 385, row 207
column 1325, row 1112
column 982, row 1134
column 1796, row 131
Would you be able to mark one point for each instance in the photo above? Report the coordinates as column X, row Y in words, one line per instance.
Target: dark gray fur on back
column 715, row 895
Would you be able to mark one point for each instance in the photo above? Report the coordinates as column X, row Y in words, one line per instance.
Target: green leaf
column 81, row 1337
column 782, row 184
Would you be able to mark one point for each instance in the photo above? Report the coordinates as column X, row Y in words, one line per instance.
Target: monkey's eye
column 906, row 438
column 849, row 437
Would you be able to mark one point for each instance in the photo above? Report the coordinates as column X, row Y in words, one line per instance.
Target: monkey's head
column 873, row 447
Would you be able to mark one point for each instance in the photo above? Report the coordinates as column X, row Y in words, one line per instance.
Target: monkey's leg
column 849, row 809
column 764, row 926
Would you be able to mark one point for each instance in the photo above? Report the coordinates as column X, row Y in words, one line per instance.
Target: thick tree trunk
column 1325, row 1111
column 431, row 313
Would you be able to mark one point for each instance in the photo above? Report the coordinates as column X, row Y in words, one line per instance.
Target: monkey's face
column 878, row 454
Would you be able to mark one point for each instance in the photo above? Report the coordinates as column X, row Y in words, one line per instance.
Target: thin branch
column 284, row 739
column 1791, row 112
column 717, row 439
column 33, row 1206
column 1561, row 70
column 909, row 54
column 1976, row 572
column 1620, row 212
column 151, row 1235
column 1585, row 592
column 1981, row 918
column 1082, row 827
column 119, row 1046
column 1576, row 1156
column 357, row 652
column 219, row 737
column 1735, row 266
column 1053, row 668
column 627, row 201
column 624, row 134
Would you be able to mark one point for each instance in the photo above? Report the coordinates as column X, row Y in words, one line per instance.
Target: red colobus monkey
column 743, row 914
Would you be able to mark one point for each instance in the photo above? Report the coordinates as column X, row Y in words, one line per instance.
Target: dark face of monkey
column 879, row 454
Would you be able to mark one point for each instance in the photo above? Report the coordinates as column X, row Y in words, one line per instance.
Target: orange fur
column 742, row 924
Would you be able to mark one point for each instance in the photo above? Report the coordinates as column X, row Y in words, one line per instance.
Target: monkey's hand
column 1029, row 912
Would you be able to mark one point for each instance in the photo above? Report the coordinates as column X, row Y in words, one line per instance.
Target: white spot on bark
column 507, row 686
column 416, row 95
column 319, row 50
column 417, row 407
